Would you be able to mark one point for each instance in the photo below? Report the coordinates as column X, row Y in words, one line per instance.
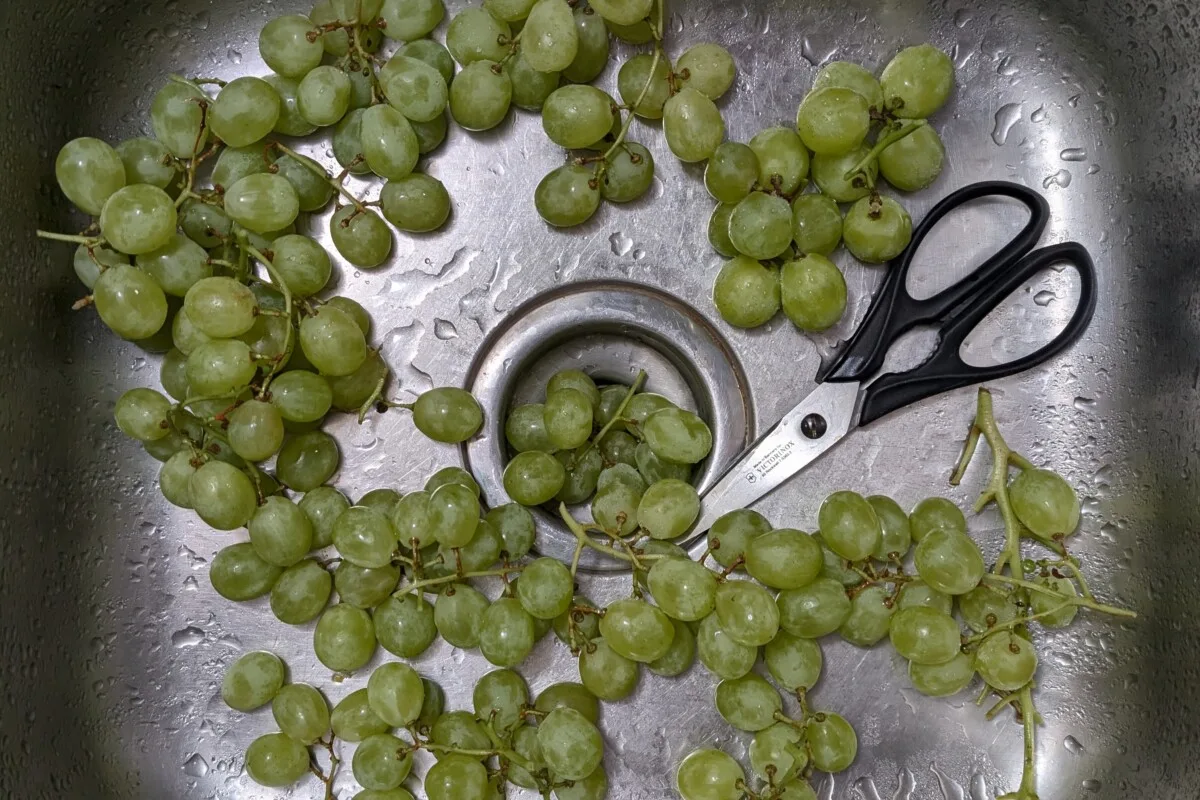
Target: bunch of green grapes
column 631, row 454
column 780, row 238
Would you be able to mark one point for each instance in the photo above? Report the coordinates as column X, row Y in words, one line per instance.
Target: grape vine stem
column 421, row 586
column 319, row 171
column 887, row 141
column 617, row 416
column 289, row 341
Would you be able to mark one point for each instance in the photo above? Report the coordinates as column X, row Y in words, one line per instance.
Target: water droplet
column 1039, row 115
column 190, row 584
column 234, row 56
column 639, row 254
column 979, row 789
column 1073, row 154
column 196, row 766
column 1006, row 117
column 1006, row 67
column 962, row 17
column 187, row 637
column 950, row 788
column 865, row 788
column 815, row 55
column 1061, row 179
column 444, row 329
column 1044, row 298
column 621, row 244
column 1073, row 100
column 1072, row 744
column 1084, row 403
column 1092, row 785
column 1093, row 169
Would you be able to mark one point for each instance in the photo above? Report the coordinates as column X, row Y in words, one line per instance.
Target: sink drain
column 610, row 330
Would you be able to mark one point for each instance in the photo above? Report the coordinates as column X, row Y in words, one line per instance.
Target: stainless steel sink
column 113, row 644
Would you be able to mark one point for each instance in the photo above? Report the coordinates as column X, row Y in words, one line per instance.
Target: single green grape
column 255, row 430
column 381, row 762
column 302, row 263
column 985, row 607
column 301, row 593
column 720, row 653
column 1054, row 612
column 693, row 125
column 747, row 613
column 206, row 225
column 678, row 436
column 431, row 52
column 637, row 630
column 323, row 96
column 549, row 39
column 407, row 20
column 732, row 172
column 639, row 32
column 347, row 143
column 710, row 775
column 89, row 171
column 276, row 760
column 707, row 68
column 577, row 380
column 524, row 744
column 280, row 532
column 568, row 418
column 138, row 219
column 410, row 519
column 936, row 514
column 949, row 562
column 301, row 712
column 185, row 335
column 618, row 447
column 832, row 742
column 179, row 120
column 916, row 593
column 530, row 88
column 447, row 415
column 173, row 374
column 870, row 617
column 793, row 661
column 148, row 161
column 382, row 500
column 516, row 527
column 481, row 95
column 641, row 406
column 1006, row 661
column 546, row 588
column 571, row 745
column 174, row 479
column 1045, row 503
column 415, row 88
column 761, row 226
column 290, row 123
column 533, row 478
column 449, row 475
column 362, row 237
column 389, row 143
column 480, row 553
column 509, row 10
column 417, row 203
column 782, row 158
column 629, row 175
column 525, row 429
column 849, row 526
column 364, row 537
column 611, row 398
column 286, row 46
column 631, row 83
column 353, row 720
column 506, row 633
column 221, row 308
column 323, row 505
column 784, row 559
column 623, row 12
column 177, row 266
column 236, row 163
column 359, row 314
column 453, row 515
column 142, row 414
column 396, row 694
column 458, row 614
column 576, row 116
column 263, row 202
column 351, row 392
column 238, row 574
column 818, row 609
column 475, row 35
column 90, row 262
column 223, row 496
column 877, row 229
column 568, row 196
column 942, row 680
column 746, row 293
column 778, row 753
column 847, row 75
column 925, row 635
column 244, row 112
column 893, row 522
column 917, row 82
column 606, row 673
column 829, row 173
column 307, row 461
column 332, row 341
column 748, row 703
column 591, row 55
column 731, row 534
column 668, row 508
column 619, row 492
column 405, row 626
column 501, row 696
column 718, row 230
column 816, row 224
column 680, row 657
column 344, row 639
column 569, row 695
column 833, row 121
column 915, row 161
column 457, row 777
column 252, row 681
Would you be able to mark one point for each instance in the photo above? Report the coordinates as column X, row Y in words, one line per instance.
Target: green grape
column 896, row 532
column 335, row 42
column 570, row 744
column 1054, row 611
column 681, row 655
column 568, row 196
column 720, row 653
column 481, row 552
column 629, row 175
column 138, row 219
column 301, row 593
column 693, row 125
column 849, row 526
column 280, row 532
column 817, row 609
column 142, row 414
column 732, row 172
column 206, row 225
column 583, row 626
column 381, row 500
column 290, row 123
column 458, row 614
column 481, row 95
column 177, row 266
column 453, row 515
column 569, row 695
column 362, row 238
column 324, row 95
column 179, row 119
column 870, row 617
column 678, row 436
column 378, row 763
column 430, row 135
column 668, row 508
column 530, row 88
column 223, row 496
column 238, row 574
column 1045, row 503
column 925, row 635
column 185, row 335
column 710, row 775
column 506, row 633
column 591, row 56
column 405, row 626
column 642, row 406
column 546, row 588
column 410, row 519
column 623, row 12
column 516, row 527
column 90, row 263
column 761, row 226
column 718, row 230
column 816, row 224
column 784, row 559
column 173, row 374
column 915, row 161
column 918, row 594
column 746, row 293
column 475, row 35
column 302, row 263
column 365, row 537
column 252, row 681
column 577, row 380
column 323, row 505
column 244, row 112
column 731, row 535
column 347, row 143
column 568, row 418
column 639, row 32
column 457, row 777
column 389, row 144
column 877, row 229
column 221, row 308
column 618, row 494
column 846, row 75
column 1006, row 661
column 942, row 680
column 833, row 121
column 549, row 40
column 148, row 161
column 525, row 429
column 416, row 203
column 301, row 712
column 782, row 159
column 611, row 398
column 637, row 630
column 936, row 514
column 432, row 53
column 593, row 787
column 534, row 478
column 351, row 392
column 411, row 19
column 500, row 696
column 777, row 753
column 89, row 172
column 618, row 447
column 832, row 742
column 606, row 673
column 917, row 82
column 984, row 607
column 395, row 693
column 255, row 430
column 307, row 461
column 415, row 89
column 365, row 587
column 387, row 794
column 631, row 83
column 353, row 720
column 344, row 639
column 576, row 116
column 332, row 341
column 448, row 415
column 263, row 202
column 683, row 589
column 829, row 173
column 174, row 479
column 949, row 561
column 276, row 760
column 509, row 10
column 286, row 47
column 747, row 613
column 749, row 703
column 449, row 475
column 524, row 744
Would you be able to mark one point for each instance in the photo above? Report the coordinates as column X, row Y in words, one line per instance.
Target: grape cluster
column 629, row 453
column 778, row 238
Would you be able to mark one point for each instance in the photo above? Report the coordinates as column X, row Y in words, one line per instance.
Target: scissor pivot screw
column 814, row 426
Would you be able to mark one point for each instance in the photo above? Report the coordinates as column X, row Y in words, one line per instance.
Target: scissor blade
column 783, row 452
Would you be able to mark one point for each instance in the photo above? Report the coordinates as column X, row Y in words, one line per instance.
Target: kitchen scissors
column 851, row 393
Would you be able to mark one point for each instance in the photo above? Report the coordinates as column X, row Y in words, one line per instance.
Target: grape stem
column 887, row 141
column 1083, row 601
column 319, row 171
column 617, row 416
column 375, row 396
column 421, row 586
column 637, row 561
column 90, row 241
column 620, row 140
column 289, row 341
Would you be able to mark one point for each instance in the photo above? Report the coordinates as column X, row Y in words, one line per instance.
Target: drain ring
column 609, row 329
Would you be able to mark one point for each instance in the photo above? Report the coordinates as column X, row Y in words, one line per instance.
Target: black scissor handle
column 945, row 370
column 894, row 311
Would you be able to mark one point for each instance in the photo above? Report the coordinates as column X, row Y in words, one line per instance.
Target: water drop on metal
column 1008, row 116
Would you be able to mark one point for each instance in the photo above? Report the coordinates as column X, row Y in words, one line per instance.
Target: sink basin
column 113, row 643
